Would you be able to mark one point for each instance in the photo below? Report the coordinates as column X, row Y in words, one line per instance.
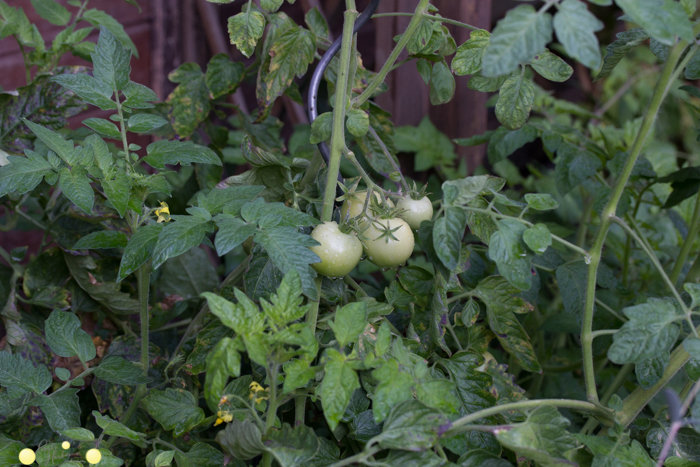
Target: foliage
column 529, row 290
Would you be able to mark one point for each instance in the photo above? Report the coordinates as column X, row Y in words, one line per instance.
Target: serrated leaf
column 78, row 434
column 62, row 409
column 19, row 376
column 317, row 23
column 285, row 305
column 52, row 11
column 516, row 39
column 139, row 96
column 652, row 329
column 510, row 253
column 411, row 426
column 66, row 338
column 99, row 18
column 139, row 249
column 88, row 89
column 349, row 322
column 175, row 409
column 467, row 60
column 442, row 84
column 515, row 101
column 115, row 428
column 538, row 238
column 358, row 122
column 541, row 201
column 575, row 27
column 223, row 76
column 111, row 61
column 293, row 447
column 104, row 127
column 23, row 174
column 51, row 455
column 143, row 123
column 245, row 29
column 190, row 100
column 572, row 278
column 179, row 236
column 626, row 41
column 501, row 306
column 55, row 142
column 662, row 19
column 120, row 371
column 447, row 236
column 321, row 128
column 102, row 239
column 339, row 382
column 610, row 453
column 178, row 152
column 244, row 317
column 574, row 165
column 223, row 361
column 551, row 67
column 76, row 186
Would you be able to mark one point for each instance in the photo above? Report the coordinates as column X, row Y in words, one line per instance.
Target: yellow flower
column 163, row 212
column 223, row 417
column 258, row 392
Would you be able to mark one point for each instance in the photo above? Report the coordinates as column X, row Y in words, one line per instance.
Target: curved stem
column 416, row 19
column 667, row 76
column 391, row 159
column 584, row 406
column 436, row 18
column 688, row 243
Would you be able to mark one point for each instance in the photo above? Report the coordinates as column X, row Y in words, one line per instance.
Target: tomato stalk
column 668, row 76
column 688, row 243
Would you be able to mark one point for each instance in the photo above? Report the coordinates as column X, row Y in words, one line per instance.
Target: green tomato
column 415, row 211
column 387, row 252
column 355, row 203
column 339, row 252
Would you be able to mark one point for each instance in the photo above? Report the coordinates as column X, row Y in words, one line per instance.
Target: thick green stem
column 688, row 243
column 596, row 252
column 338, row 135
column 418, row 16
column 271, row 410
column 584, row 406
column 143, row 276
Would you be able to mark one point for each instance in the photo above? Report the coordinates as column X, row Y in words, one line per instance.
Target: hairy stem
column 143, row 278
column 416, row 19
column 432, row 17
column 596, row 252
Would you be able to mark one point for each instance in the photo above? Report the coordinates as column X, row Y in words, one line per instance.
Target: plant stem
column 667, row 76
column 610, row 310
column 603, row 332
column 436, row 18
column 143, row 278
column 351, row 282
column 584, row 406
column 688, row 243
column 271, row 410
column 311, row 319
column 338, row 135
column 391, row 159
column 358, row 458
column 416, row 19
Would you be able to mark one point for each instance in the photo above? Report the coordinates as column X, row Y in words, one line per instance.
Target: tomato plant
column 204, row 301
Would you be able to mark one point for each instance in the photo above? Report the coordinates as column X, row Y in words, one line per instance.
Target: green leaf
column 442, row 84
column 115, row 428
column 572, row 278
column 66, row 338
column 608, row 452
column 481, row 457
column 285, row 305
column 467, row 60
column 694, row 292
column 358, row 122
column 692, row 346
column 574, row 165
column 76, row 186
column 51, row 455
column 175, row 409
column 178, row 237
column 111, row 61
column 62, row 373
column 651, row 330
column 52, row 11
column 78, row 434
column 515, row 101
column 222, row 362
column 538, row 238
column 164, row 459
column 55, row 142
column 243, row 317
column 9, row 450
column 223, row 76
column 321, row 128
column 501, row 307
column 19, row 376
column 139, row 96
column 62, row 409
column 551, row 67
column 88, row 89
column 102, row 239
column 662, row 19
column 542, row 438
column 292, row 53
column 178, row 152
column 120, row 371
column 139, row 249
column 245, row 29
column 339, row 382
column 293, row 447
column 510, row 253
column 649, row 372
column 541, row 202
column 104, row 127
column 395, row 386
column 188, row 275
column 143, row 123
column 432, row 147
column 107, row 293
column 516, row 39
column 23, row 174
column 317, row 23
column 411, row 426
column 241, row 440
column 481, row 83
column 232, row 232
column 100, row 18
column 447, row 236
column 297, row 374
column 626, row 41
column 271, row 6
column 463, row 191
column 575, row 27
column 349, row 322
column 289, row 250
column 201, row 455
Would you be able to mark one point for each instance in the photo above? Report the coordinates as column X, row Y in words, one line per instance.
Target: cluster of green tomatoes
column 375, row 228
